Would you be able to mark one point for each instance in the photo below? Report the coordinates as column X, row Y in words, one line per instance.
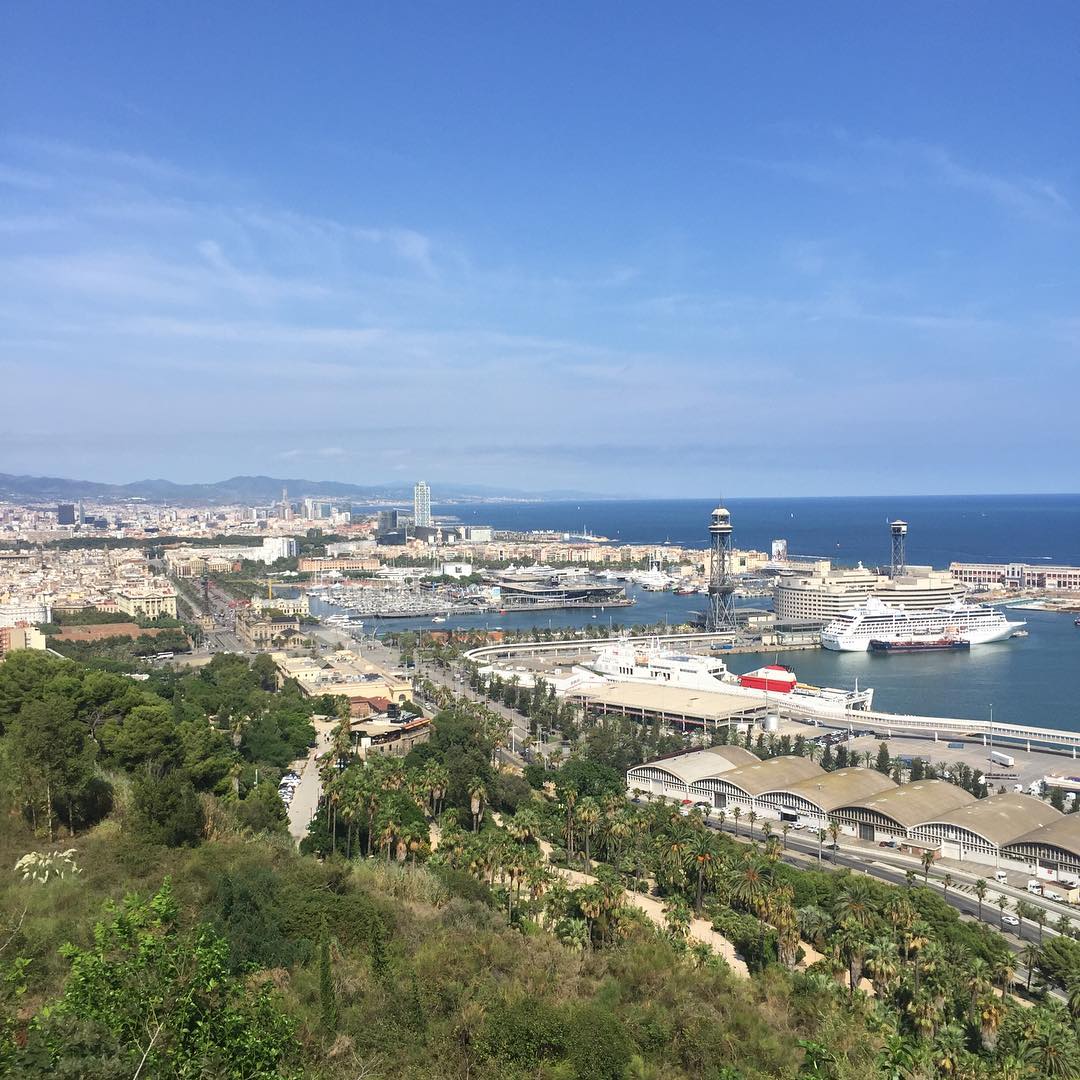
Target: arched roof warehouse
column 1057, row 842
column 840, row 787
column 686, row 768
column 909, row 805
column 761, row 776
column 999, row 819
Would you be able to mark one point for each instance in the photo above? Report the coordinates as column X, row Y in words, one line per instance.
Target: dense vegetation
column 444, row 918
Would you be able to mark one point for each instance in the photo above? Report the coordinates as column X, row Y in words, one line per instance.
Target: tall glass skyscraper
column 422, row 505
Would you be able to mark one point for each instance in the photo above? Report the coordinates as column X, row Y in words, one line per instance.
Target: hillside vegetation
column 443, row 919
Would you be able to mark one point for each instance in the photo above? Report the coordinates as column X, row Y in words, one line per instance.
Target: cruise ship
column 975, row 623
column 628, row 661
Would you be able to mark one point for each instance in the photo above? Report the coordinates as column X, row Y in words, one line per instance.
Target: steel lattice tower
column 898, row 529
column 721, row 615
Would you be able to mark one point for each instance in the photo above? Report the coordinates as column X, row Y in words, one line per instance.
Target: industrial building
column 892, row 813
column 1052, row 850
column 671, row 777
column 1009, row 831
column 746, row 784
column 669, row 704
column 986, row 826
column 811, row 801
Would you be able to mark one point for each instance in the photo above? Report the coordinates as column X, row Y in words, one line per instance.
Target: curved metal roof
column 1063, row 833
column 913, row 804
column 1000, row 819
column 841, row 787
column 772, row 774
column 698, row 764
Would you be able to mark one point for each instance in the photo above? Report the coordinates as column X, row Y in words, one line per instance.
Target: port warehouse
column 1011, row 831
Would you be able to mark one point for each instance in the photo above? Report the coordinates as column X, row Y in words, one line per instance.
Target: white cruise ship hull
column 861, row 642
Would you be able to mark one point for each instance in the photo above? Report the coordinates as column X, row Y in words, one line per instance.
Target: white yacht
column 629, row 661
column 873, row 619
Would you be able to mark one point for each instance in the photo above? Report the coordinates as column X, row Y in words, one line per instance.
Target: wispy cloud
column 853, row 164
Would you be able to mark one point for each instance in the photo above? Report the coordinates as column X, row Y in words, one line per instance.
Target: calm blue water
column 970, row 528
column 1029, row 680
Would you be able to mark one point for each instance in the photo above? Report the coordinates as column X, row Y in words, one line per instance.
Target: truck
column 998, row 758
column 1034, row 886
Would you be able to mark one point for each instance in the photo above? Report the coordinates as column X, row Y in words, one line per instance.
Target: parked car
column 1010, row 920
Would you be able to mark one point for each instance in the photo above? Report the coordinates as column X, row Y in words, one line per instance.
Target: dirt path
column 700, row 929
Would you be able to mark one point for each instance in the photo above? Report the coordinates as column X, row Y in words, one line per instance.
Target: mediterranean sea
column 964, row 528
column 1030, row 680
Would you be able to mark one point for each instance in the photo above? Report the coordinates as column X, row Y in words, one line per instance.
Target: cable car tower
column 721, row 616
column 898, row 532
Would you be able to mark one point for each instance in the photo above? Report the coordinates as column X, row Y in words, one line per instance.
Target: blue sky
column 627, row 248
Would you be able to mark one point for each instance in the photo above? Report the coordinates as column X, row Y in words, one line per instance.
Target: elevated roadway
column 996, row 734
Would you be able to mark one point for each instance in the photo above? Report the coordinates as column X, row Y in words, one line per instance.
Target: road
column 880, row 863
column 306, row 796
column 802, row 849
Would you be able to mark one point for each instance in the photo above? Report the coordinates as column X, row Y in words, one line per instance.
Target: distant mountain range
column 256, row 490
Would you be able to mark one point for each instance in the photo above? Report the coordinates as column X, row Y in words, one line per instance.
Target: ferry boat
column 873, row 619
column 627, row 661
column 896, row 645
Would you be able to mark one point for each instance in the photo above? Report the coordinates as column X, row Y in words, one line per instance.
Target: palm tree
column 927, row 859
column 980, row 894
column 748, row 885
column 909, row 878
column 1074, row 997
column 476, row 803
column 1029, row 957
column 721, row 816
column 677, row 919
column 946, row 885
column 883, row 963
column 574, row 933
column 834, row 832
column 701, row 856
column 814, row 923
column 949, row 1049
column 1039, row 914
column 736, row 813
column 855, row 902
column 386, row 837
column 751, row 818
column 590, row 899
column 1023, row 910
column 785, row 829
column 851, row 944
column 1002, row 903
column 588, row 815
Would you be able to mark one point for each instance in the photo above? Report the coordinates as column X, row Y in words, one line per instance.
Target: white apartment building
column 826, row 593
column 149, row 601
column 1017, row 576
column 25, row 610
column 279, row 547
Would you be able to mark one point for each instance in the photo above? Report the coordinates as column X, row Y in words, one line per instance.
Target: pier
column 885, row 724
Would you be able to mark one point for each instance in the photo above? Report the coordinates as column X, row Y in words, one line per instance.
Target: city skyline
column 621, row 256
